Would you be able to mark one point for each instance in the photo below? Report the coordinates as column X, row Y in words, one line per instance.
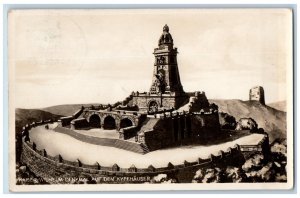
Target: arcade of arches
column 109, row 122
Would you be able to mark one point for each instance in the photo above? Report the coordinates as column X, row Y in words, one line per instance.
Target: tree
column 211, row 175
column 246, row 124
column 227, row 121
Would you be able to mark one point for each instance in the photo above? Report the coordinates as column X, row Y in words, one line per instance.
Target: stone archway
column 153, row 106
column 109, row 122
column 95, row 121
column 126, row 122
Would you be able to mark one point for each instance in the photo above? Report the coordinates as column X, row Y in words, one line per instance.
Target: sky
column 101, row 56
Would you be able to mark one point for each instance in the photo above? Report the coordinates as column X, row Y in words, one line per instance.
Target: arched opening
column 125, row 123
column 95, row 121
column 109, row 123
column 153, row 107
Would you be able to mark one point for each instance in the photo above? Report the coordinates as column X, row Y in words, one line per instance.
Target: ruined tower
column 257, row 94
column 166, row 77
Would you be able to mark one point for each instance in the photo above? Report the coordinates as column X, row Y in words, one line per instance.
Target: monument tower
column 166, row 77
column 166, row 91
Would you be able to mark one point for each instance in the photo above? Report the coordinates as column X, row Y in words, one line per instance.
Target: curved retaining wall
column 55, row 169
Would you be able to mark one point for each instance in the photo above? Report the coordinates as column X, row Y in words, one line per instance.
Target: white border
column 148, row 2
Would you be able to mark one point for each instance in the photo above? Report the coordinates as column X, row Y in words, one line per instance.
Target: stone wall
column 167, row 102
column 205, row 125
column 128, row 132
column 57, row 170
column 181, row 128
column 197, row 101
column 79, row 123
column 262, row 147
column 66, row 121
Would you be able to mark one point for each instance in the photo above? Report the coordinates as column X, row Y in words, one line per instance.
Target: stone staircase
column 131, row 146
column 145, row 148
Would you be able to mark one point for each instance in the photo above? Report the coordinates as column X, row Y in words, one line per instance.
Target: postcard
column 150, row 99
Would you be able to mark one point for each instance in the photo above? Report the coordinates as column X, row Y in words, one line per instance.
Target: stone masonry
column 166, row 90
column 257, row 94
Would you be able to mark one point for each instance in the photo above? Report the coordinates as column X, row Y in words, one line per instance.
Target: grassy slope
column 26, row 116
column 271, row 120
column 65, row 110
column 278, row 105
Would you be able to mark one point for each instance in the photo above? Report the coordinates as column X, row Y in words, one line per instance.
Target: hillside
column 65, row 110
column 271, row 120
column 278, row 105
column 26, row 116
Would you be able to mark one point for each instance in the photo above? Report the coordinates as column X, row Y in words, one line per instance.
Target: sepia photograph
column 150, row 99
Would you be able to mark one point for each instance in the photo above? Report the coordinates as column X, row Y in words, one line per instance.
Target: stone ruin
column 257, row 94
